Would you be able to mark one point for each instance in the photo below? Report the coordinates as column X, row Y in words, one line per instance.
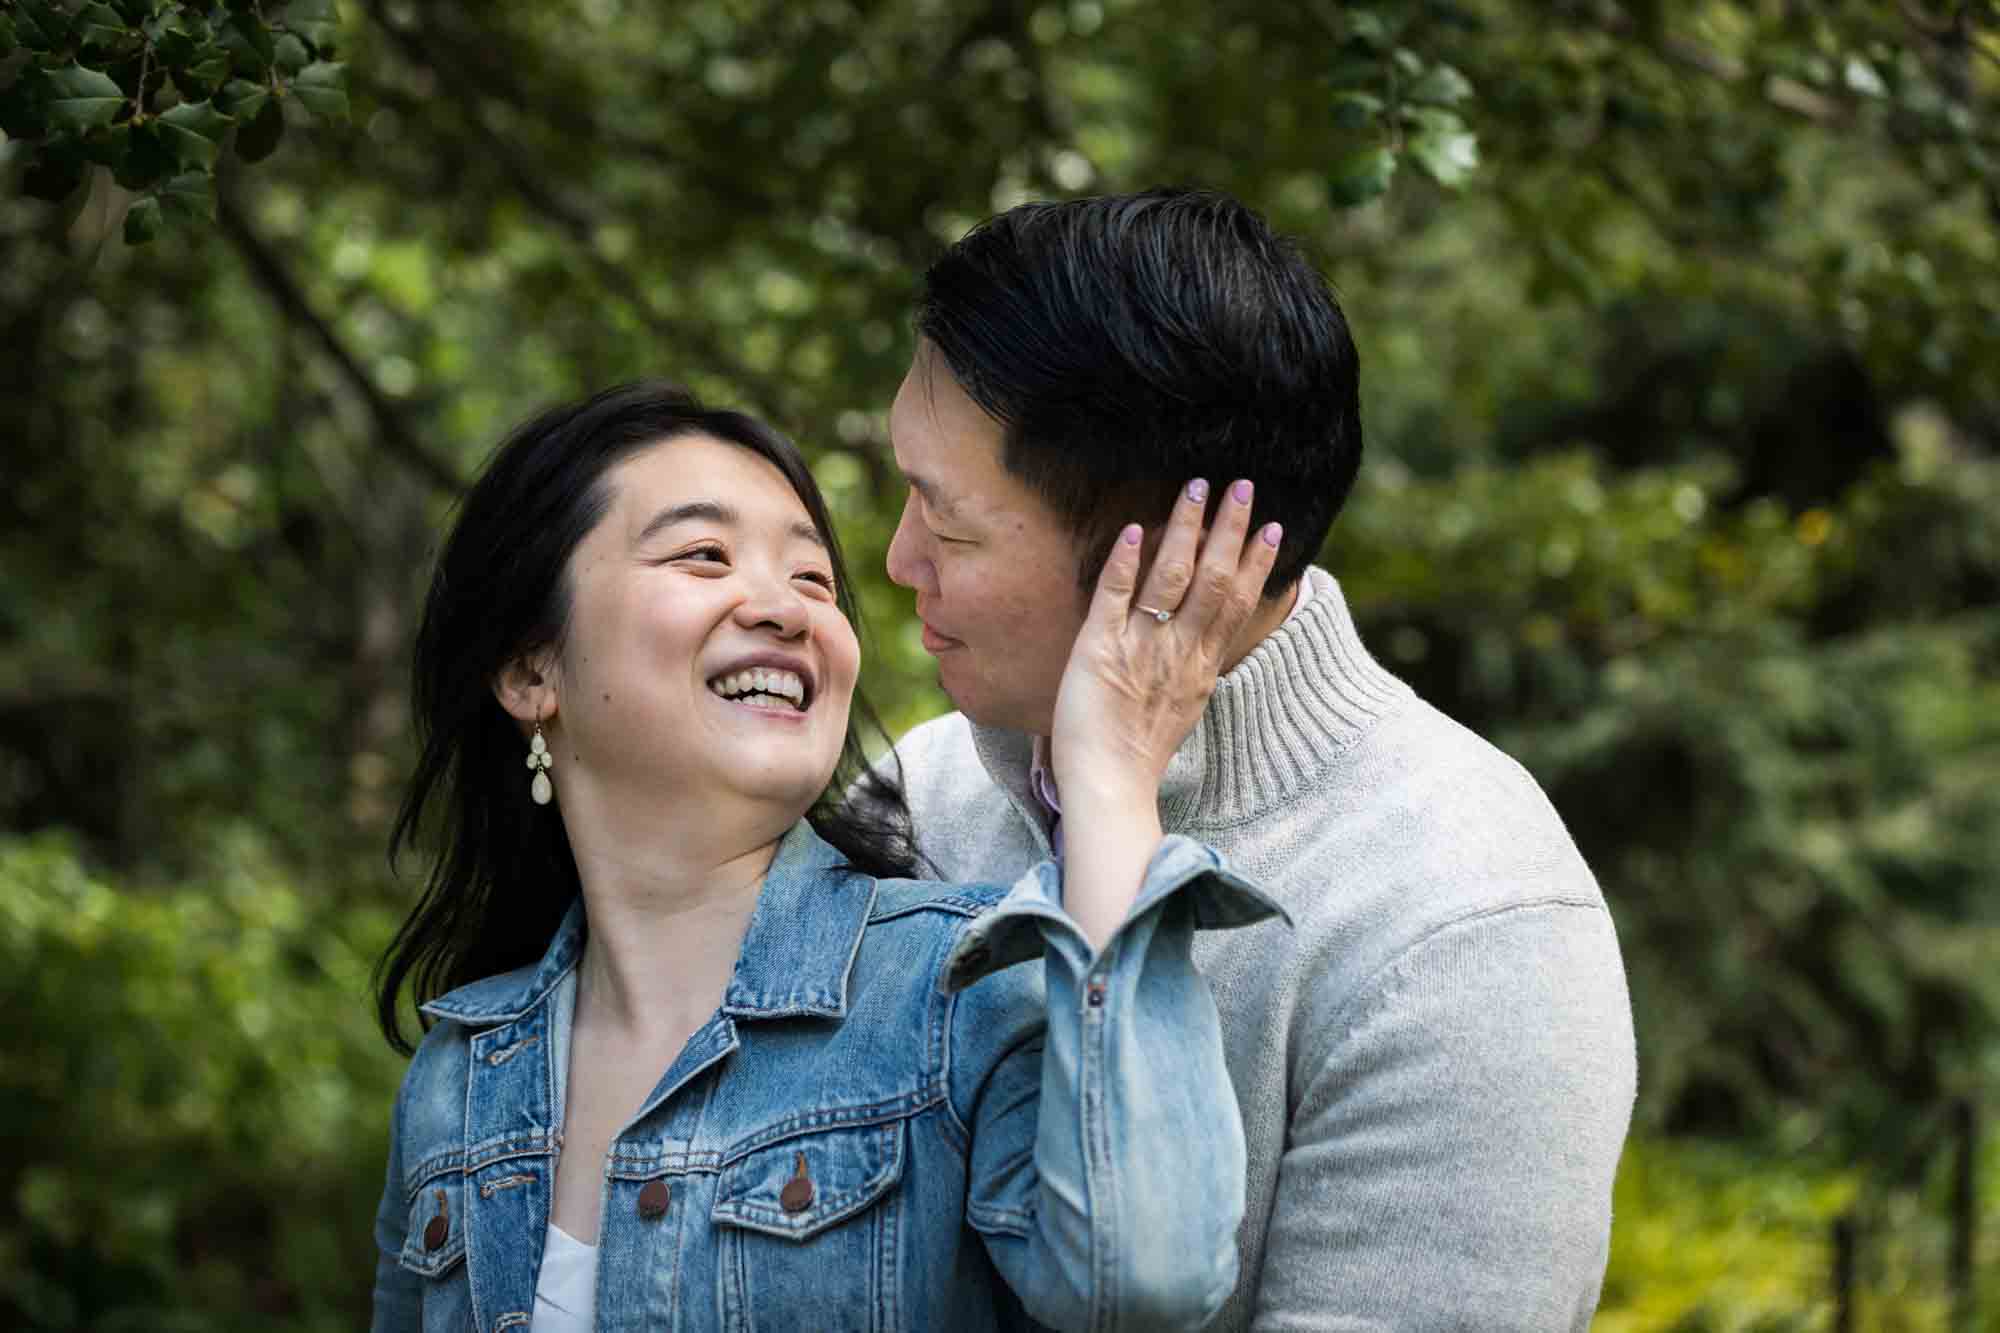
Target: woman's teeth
column 760, row 687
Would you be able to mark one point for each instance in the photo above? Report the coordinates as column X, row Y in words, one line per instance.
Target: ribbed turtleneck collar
column 1276, row 722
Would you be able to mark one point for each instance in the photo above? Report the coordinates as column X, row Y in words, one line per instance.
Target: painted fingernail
column 1130, row 536
column 1197, row 490
column 1273, row 533
column 1241, row 490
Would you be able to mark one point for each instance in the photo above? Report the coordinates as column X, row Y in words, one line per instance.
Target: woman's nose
column 773, row 603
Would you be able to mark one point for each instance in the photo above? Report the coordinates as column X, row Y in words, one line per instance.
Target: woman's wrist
column 1107, row 845
column 1106, row 788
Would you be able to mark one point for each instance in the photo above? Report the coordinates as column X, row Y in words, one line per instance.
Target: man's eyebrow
column 715, row 511
column 939, row 502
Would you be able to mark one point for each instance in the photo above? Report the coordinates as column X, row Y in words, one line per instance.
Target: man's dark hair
column 1129, row 342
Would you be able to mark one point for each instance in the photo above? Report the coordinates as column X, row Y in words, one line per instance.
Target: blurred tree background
column 1681, row 329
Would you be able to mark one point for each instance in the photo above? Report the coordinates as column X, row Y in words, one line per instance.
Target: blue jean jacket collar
column 803, row 935
column 795, row 960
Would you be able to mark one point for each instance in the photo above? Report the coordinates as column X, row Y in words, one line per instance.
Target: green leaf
column 1361, row 176
column 99, row 25
column 250, row 42
column 259, row 138
column 193, row 132
column 316, row 21
column 107, row 147
column 1446, row 158
column 21, row 114
column 53, row 177
column 147, row 161
column 41, row 27
column 1441, row 85
column 1408, row 61
column 189, row 197
column 80, row 99
column 143, row 221
column 290, row 54
column 1430, row 119
column 1861, row 78
column 181, row 38
column 243, row 99
column 199, row 80
column 7, row 39
column 1355, row 111
column 322, row 88
column 1366, row 26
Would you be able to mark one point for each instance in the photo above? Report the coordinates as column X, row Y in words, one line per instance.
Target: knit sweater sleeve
column 1454, row 1133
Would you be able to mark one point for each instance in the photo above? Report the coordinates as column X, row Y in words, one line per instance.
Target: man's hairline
column 1085, row 541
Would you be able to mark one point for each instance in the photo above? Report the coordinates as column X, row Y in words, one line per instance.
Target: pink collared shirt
column 1042, row 779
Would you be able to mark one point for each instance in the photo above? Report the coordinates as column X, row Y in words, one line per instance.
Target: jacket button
column 797, row 1195
column 438, row 1229
column 653, row 1197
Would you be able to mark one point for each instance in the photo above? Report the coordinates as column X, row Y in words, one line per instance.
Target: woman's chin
column 785, row 790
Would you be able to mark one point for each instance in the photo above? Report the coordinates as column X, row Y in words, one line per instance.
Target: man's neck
column 1270, row 613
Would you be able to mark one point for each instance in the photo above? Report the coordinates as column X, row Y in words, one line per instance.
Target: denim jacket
column 887, row 1124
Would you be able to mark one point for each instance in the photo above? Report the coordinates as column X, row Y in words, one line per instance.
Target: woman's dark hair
column 504, row 876
column 1128, row 342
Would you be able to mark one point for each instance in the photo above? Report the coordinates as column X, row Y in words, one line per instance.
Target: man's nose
column 906, row 565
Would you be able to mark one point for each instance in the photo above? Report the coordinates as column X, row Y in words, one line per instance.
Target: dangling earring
column 539, row 759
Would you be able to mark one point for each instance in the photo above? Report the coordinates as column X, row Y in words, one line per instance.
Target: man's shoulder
column 1419, row 826
column 942, row 740
column 967, row 825
column 942, row 772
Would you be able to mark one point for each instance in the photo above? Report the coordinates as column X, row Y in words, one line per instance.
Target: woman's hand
column 1135, row 686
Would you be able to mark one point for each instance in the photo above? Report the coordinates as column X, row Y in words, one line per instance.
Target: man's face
column 993, row 568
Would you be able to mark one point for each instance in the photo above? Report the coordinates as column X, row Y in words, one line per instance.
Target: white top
column 566, row 1289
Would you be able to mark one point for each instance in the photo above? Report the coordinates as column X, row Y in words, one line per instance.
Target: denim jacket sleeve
column 1107, row 1158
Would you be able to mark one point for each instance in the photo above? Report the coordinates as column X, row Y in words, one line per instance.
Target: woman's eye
column 824, row 580
column 705, row 554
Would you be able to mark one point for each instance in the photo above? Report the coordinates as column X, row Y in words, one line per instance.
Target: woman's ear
column 526, row 688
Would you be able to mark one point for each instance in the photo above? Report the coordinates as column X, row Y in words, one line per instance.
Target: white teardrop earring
column 539, row 759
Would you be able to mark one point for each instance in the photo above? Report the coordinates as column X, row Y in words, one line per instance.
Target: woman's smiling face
column 705, row 656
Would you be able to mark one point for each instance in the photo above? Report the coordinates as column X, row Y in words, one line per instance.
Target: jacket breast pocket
column 434, row 1250
column 808, row 1232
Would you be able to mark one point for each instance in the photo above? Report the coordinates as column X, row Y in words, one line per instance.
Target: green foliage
column 237, row 1093
column 1395, row 105
column 151, row 90
column 1717, row 1237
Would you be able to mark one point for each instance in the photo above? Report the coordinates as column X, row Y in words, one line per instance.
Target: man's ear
column 526, row 687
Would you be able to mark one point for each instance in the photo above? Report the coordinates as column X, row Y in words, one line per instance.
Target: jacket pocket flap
column 435, row 1239
column 797, row 1188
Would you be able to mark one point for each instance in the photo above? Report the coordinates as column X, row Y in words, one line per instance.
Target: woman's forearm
column 1108, row 840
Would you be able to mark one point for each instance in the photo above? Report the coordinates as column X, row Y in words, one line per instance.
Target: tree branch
column 278, row 284
column 576, row 223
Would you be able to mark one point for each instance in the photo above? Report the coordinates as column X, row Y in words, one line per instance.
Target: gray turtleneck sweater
column 1435, row 1067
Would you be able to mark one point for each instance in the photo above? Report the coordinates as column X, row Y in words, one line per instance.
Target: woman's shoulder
column 935, row 903
column 918, row 929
